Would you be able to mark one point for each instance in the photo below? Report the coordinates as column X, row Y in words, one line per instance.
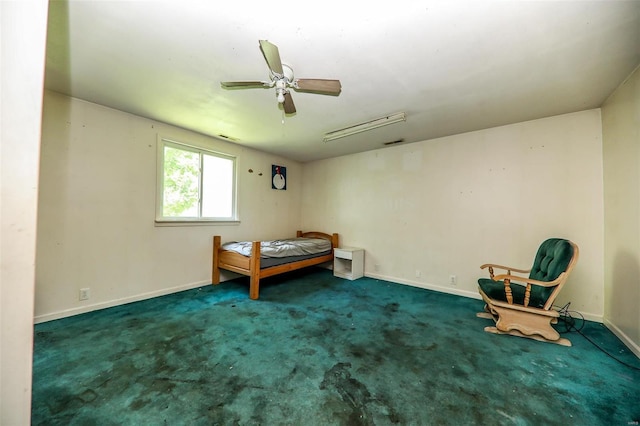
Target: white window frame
column 170, row 220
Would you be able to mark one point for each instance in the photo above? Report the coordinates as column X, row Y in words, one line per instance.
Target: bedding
column 282, row 248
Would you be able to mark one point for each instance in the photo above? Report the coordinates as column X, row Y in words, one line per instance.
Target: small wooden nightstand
column 348, row 262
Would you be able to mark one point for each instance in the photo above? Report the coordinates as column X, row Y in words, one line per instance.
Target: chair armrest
column 506, row 268
column 529, row 281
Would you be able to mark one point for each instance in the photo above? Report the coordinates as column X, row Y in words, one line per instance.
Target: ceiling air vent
column 393, row 142
column 229, row 138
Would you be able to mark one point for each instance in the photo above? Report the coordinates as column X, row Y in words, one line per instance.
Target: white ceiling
column 452, row 66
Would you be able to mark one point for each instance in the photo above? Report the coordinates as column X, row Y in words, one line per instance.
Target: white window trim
column 160, row 220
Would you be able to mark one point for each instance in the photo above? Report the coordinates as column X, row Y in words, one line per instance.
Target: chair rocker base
column 560, row 341
column 488, row 315
column 522, row 321
column 485, row 315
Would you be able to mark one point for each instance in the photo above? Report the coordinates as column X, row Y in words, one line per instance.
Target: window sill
column 163, row 223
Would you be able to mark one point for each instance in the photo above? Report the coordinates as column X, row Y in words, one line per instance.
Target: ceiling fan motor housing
column 288, row 72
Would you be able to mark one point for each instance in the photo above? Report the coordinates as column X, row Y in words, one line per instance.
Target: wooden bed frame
column 250, row 266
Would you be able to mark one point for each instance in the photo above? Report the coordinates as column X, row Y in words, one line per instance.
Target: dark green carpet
column 318, row 350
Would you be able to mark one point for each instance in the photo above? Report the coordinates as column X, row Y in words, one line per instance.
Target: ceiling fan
column 282, row 79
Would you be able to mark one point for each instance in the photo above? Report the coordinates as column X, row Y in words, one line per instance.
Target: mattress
column 282, row 248
column 267, row 262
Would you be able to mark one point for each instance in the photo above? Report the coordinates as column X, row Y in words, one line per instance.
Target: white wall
column 621, row 140
column 97, row 205
column 443, row 207
column 23, row 32
column 422, row 211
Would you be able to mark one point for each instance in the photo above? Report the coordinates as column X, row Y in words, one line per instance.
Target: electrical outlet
column 418, row 273
column 84, row 294
column 453, row 280
column 376, row 267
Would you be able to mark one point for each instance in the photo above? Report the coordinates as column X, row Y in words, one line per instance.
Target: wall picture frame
column 278, row 177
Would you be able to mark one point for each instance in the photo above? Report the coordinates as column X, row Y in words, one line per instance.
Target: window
column 195, row 184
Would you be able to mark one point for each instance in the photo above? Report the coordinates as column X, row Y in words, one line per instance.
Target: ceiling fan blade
column 289, row 107
column 272, row 56
column 245, row 84
column 327, row 87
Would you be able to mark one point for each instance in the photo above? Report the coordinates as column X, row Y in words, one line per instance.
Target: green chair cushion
column 551, row 260
column 495, row 291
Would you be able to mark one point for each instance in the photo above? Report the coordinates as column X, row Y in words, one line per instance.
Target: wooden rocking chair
column 522, row 306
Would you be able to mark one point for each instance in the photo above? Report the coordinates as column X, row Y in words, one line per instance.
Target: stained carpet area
column 319, row 350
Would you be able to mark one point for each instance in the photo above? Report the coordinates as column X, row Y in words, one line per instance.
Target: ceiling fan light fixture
column 280, row 96
column 366, row 126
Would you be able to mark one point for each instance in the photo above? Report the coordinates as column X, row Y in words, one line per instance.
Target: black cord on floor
column 569, row 319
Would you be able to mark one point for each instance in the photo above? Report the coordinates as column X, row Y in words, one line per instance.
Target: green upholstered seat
column 495, row 290
column 551, row 260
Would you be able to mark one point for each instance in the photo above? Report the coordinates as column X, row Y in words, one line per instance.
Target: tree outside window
column 196, row 184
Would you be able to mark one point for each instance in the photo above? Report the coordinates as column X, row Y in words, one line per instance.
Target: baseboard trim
column 426, row 286
column 116, row 302
column 592, row 317
column 633, row 346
